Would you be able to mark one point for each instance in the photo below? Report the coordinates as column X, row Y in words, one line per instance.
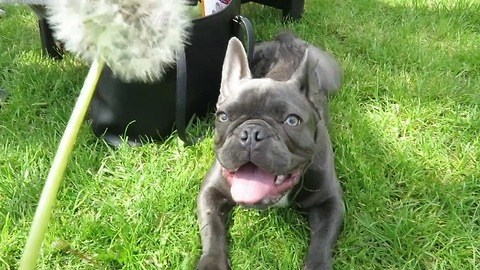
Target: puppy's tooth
column 279, row 179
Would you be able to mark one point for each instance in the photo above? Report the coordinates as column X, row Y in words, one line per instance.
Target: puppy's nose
column 251, row 135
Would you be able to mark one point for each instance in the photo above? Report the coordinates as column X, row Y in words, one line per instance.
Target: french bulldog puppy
column 272, row 145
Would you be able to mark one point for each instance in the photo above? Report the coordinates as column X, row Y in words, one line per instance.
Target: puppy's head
column 266, row 130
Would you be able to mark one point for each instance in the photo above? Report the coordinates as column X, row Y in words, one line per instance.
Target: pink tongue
column 250, row 184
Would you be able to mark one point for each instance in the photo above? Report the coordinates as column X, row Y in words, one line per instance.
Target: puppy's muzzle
column 251, row 135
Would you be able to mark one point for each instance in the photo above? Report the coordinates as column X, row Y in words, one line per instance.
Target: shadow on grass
column 399, row 209
column 409, row 174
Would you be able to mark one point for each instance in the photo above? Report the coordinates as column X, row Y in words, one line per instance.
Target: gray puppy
column 272, row 145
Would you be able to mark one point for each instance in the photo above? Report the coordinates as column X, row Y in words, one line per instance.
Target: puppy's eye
column 293, row 120
column 222, row 117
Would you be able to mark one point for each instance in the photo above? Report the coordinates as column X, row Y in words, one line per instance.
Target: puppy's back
column 278, row 59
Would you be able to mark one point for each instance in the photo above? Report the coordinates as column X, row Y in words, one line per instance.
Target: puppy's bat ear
column 235, row 68
column 325, row 73
column 317, row 76
column 318, row 71
column 299, row 77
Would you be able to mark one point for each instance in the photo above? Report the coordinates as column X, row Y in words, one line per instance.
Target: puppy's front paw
column 212, row 263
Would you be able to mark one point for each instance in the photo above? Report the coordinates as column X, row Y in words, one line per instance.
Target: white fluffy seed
column 138, row 39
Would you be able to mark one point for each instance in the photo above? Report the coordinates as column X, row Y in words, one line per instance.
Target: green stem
column 54, row 178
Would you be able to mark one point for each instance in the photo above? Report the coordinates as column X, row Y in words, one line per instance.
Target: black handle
column 181, row 97
column 245, row 23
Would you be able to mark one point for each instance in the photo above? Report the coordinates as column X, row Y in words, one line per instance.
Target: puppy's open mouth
column 250, row 184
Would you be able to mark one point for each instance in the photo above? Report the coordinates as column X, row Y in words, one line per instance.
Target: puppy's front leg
column 213, row 210
column 325, row 221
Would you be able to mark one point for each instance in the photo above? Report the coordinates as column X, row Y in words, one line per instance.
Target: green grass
column 405, row 128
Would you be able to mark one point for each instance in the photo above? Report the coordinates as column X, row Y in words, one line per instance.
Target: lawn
column 405, row 128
